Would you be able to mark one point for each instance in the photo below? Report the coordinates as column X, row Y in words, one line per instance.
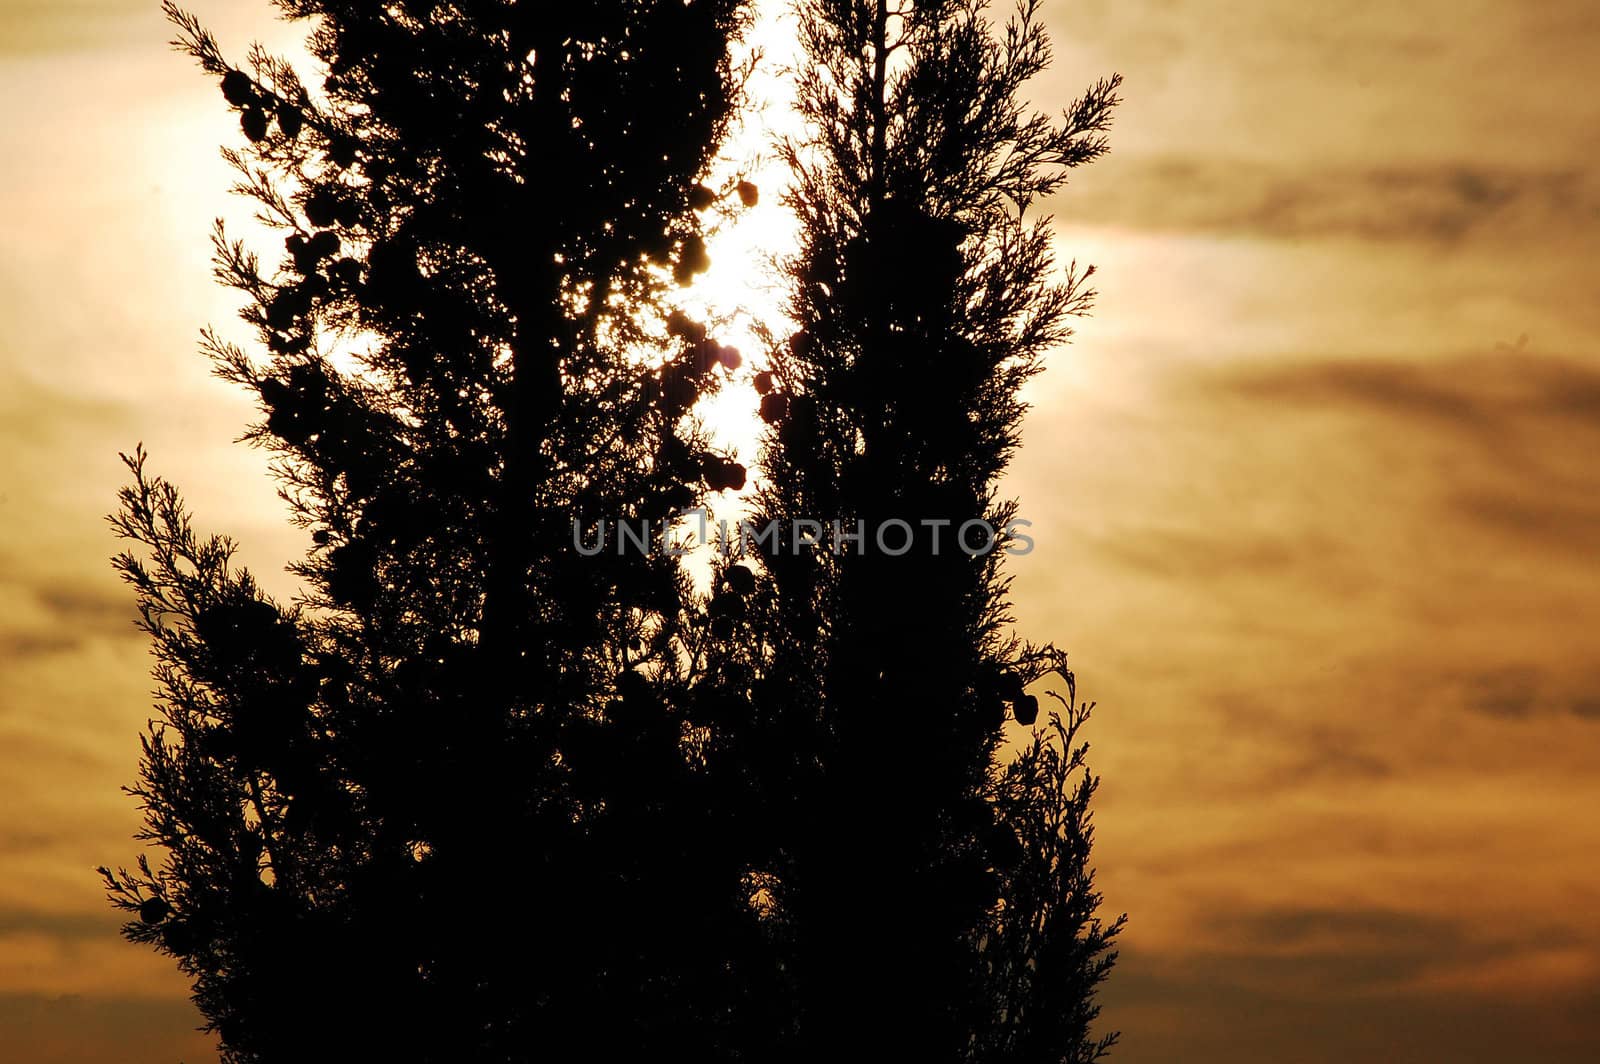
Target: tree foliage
column 924, row 296
column 451, row 783
column 479, row 795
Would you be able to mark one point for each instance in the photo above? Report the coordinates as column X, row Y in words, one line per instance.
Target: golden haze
column 1314, row 496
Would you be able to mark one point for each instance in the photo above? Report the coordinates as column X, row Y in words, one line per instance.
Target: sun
column 744, row 287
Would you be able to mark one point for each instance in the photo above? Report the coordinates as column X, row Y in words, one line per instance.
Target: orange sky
column 1314, row 495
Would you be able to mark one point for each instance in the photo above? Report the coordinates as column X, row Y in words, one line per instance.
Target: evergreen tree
column 544, row 804
column 930, row 903
column 454, row 805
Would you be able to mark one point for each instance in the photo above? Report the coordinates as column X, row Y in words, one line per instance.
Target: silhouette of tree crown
column 536, row 803
column 924, row 296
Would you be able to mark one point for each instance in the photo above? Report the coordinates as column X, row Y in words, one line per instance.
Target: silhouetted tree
column 931, row 902
column 534, row 803
column 457, row 803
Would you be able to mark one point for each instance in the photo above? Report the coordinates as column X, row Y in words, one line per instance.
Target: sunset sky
column 1315, row 493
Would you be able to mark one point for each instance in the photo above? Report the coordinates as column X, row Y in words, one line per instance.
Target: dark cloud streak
column 1238, row 198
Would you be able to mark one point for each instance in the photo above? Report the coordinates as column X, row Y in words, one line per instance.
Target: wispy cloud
column 1521, row 429
column 1477, row 392
column 1327, row 986
column 76, row 1028
column 1443, row 205
column 34, row 27
column 1528, row 693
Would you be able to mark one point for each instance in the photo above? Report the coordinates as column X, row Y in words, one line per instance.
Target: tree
column 545, row 804
column 931, row 903
column 451, row 805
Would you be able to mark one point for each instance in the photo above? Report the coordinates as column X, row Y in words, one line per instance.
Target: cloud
column 1568, row 525
column 1473, row 391
column 14, row 645
column 1326, row 986
column 57, row 591
column 1436, row 204
column 1509, row 435
column 1508, row 693
column 1586, row 706
column 44, row 614
column 71, row 1029
column 1433, row 80
column 1292, row 497
column 41, row 414
column 88, row 607
column 1526, row 692
column 1188, row 553
column 1277, row 747
column 70, row 926
column 1342, row 952
column 1402, row 388
column 41, row 26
